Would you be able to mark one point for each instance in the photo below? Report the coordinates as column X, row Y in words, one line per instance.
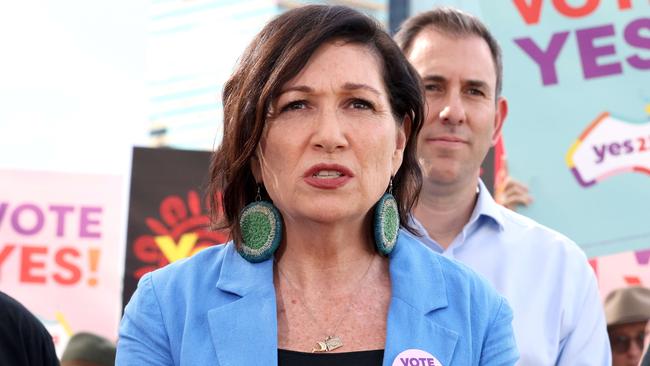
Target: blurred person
column 88, row 349
column 512, row 194
column 320, row 124
column 24, row 341
column 508, row 191
column 627, row 311
column 558, row 316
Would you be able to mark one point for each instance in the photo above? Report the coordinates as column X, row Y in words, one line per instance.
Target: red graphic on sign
column 182, row 230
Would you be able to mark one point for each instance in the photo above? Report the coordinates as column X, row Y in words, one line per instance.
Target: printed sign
column 608, row 147
column 60, row 246
column 168, row 217
column 622, row 270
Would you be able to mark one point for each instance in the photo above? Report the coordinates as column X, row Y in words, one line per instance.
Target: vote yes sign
column 577, row 79
column 594, row 48
column 59, row 247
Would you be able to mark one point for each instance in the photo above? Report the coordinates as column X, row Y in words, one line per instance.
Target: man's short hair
column 452, row 22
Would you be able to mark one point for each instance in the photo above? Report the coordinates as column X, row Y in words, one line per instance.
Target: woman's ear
column 406, row 125
column 403, row 131
column 256, row 169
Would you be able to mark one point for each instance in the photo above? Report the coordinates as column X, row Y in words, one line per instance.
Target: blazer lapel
column 418, row 289
column 244, row 329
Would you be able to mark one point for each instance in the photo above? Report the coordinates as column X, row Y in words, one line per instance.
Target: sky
column 72, row 85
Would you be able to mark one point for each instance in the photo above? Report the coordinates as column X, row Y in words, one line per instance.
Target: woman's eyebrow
column 347, row 86
column 299, row 88
column 356, row 86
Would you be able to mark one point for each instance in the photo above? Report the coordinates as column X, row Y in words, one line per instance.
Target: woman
column 320, row 120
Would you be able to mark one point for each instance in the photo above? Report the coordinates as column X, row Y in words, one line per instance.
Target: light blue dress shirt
column 216, row 308
column 558, row 314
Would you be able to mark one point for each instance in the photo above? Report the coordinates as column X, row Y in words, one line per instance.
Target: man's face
column 627, row 342
column 464, row 117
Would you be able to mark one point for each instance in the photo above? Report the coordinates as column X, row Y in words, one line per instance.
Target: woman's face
column 331, row 142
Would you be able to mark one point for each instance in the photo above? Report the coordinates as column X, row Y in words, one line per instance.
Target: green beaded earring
column 261, row 230
column 386, row 222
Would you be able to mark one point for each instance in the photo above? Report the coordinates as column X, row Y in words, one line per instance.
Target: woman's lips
column 327, row 176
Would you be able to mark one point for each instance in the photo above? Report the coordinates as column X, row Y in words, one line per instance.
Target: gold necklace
column 331, row 341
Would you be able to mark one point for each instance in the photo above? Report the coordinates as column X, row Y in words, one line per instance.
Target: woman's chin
column 324, row 215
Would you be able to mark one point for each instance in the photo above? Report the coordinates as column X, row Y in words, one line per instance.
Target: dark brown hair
column 453, row 22
column 276, row 55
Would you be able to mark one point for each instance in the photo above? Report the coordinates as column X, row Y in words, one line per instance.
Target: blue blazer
column 216, row 308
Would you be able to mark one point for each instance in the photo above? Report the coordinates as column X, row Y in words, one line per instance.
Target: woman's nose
column 329, row 132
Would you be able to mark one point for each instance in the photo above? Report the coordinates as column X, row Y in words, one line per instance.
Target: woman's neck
column 314, row 254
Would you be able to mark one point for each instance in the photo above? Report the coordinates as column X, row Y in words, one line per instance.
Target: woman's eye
column 361, row 104
column 295, row 105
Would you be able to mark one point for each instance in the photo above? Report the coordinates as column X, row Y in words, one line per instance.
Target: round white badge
column 416, row 357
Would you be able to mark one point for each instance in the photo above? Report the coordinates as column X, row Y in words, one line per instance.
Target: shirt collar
column 486, row 206
column 423, row 234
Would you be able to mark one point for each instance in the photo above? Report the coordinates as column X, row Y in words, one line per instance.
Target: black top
column 24, row 341
column 360, row 358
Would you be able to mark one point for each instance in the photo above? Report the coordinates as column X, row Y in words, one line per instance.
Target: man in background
column 558, row 316
column 24, row 341
column 88, row 349
column 627, row 311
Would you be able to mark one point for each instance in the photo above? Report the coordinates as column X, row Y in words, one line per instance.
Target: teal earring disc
column 261, row 230
column 386, row 224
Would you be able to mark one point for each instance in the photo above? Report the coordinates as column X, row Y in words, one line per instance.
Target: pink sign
column 61, row 249
column 621, row 270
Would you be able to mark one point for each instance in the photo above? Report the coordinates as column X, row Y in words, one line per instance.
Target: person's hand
column 512, row 193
